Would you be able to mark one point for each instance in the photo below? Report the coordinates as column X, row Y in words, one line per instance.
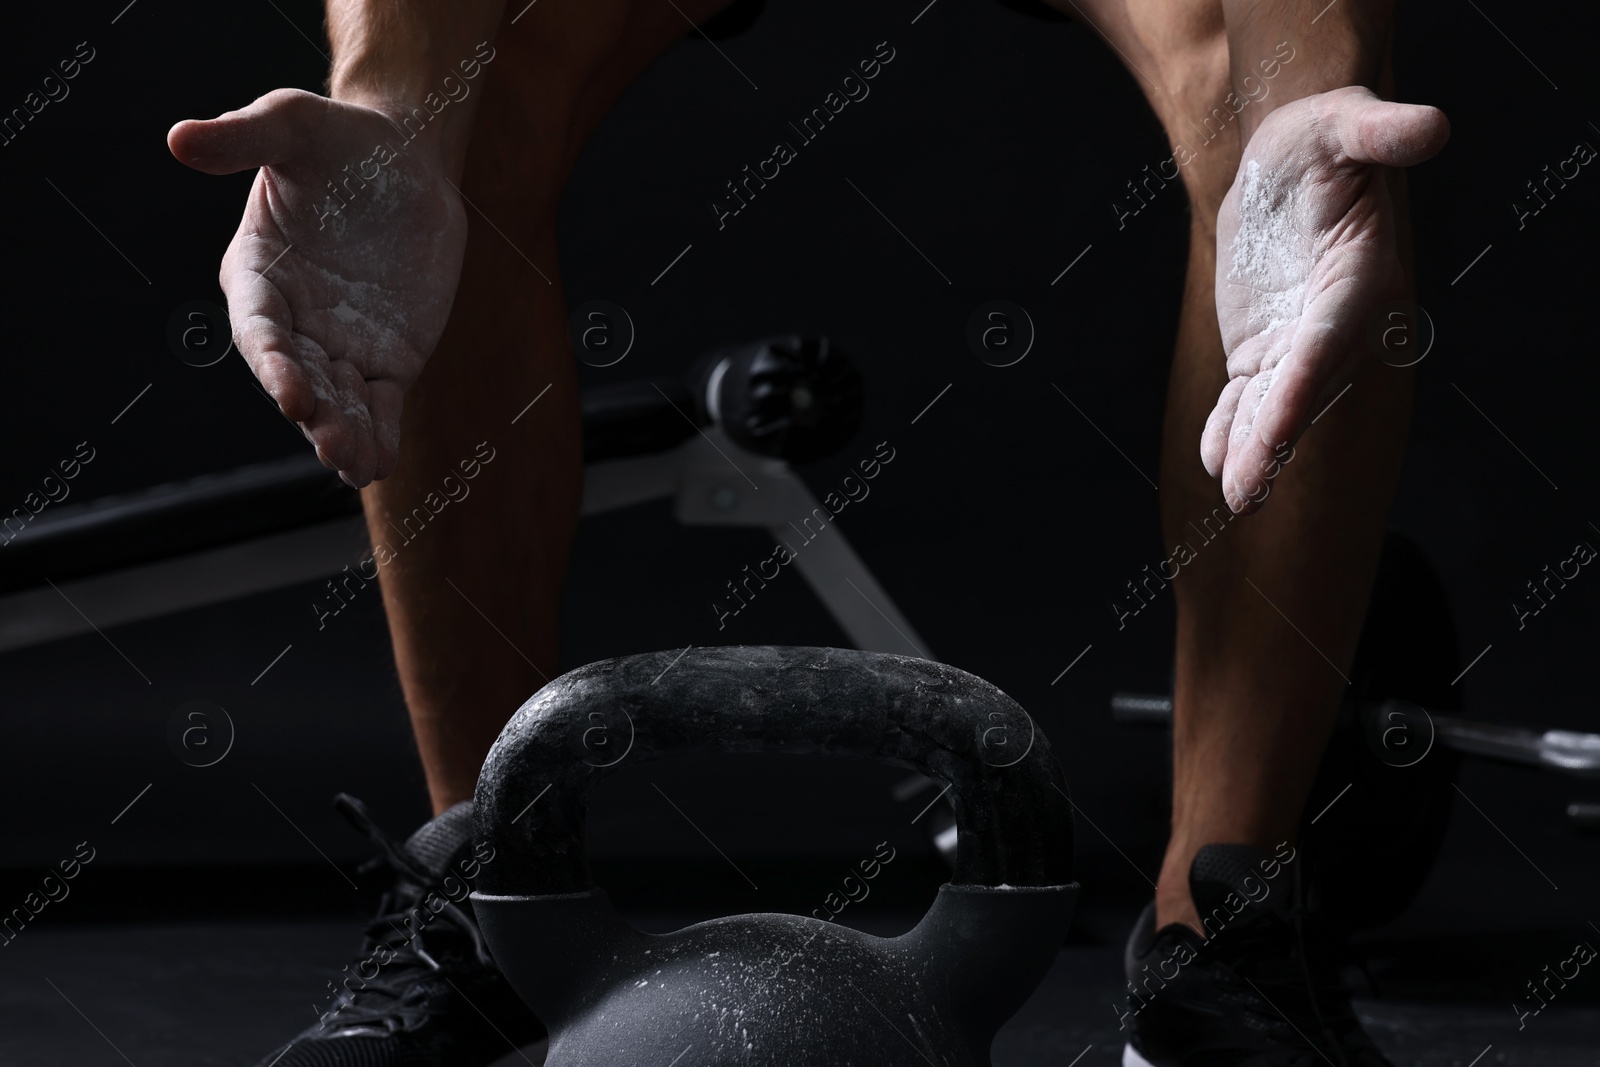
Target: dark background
column 1005, row 526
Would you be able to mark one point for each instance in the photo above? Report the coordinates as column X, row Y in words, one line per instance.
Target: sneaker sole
column 1131, row 1058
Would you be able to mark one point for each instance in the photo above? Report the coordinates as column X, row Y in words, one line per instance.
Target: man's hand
column 341, row 275
column 1306, row 252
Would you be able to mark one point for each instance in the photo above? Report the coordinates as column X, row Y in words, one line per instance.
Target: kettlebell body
column 771, row 989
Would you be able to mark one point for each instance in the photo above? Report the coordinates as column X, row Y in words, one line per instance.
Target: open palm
column 344, row 267
column 1306, row 252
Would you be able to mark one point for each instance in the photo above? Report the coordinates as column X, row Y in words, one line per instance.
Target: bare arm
column 390, row 55
column 1344, row 45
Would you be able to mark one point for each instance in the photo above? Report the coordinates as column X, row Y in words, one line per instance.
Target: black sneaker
column 1262, row 989
column 423, row 992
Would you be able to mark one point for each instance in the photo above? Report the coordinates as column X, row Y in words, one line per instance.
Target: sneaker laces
column 1302, row 954
column 1301, row 997
column 1315, row 953
column 395, row 997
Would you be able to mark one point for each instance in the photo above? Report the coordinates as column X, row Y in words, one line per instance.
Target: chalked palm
column 1306, row 253
column 337, row 293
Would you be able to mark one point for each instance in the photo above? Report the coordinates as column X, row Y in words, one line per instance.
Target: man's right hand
column 341, row 275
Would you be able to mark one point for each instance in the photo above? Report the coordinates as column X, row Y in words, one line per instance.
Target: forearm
column 1334, row 46
column 417, row 59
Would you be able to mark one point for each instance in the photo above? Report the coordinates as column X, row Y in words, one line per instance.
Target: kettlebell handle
column 1005, row 785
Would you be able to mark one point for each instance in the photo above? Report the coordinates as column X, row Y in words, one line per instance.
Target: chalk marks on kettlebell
column 531, row 803
column 869, row 869
column 989, row 743
column 595, row 738
column 868, row 1001
column 671, row 665
column 1011, row 897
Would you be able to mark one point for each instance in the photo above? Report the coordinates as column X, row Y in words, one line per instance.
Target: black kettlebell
column 774, row 989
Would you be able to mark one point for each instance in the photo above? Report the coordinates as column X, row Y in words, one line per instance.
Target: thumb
column 265, row 133
column 1392, row 134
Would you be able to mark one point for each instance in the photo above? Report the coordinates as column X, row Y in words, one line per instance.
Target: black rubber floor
column 222, row 994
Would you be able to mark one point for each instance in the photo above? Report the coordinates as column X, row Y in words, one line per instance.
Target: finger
column 330, row 431
column 329, row 426
column 1391, row 134
column 1244, row 483
column 1236, row 488
column 263, row 329
column 385, row 400
column 1298, row 394
column 1321, row 360
column 262, row 134
column 350, row 393
column 1214, row 439
column 268, row 349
